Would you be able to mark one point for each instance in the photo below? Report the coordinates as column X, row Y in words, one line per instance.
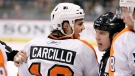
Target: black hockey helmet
column 109, row 22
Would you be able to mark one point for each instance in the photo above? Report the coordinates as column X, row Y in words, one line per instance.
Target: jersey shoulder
column 125, row 34
column 89, row 46
column 86, row 43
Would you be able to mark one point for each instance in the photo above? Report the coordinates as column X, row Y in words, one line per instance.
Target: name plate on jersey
column 52, row 54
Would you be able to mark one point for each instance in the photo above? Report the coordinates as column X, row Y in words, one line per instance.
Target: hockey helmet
column 109, row 22
column 66, row 12
column 130, row 4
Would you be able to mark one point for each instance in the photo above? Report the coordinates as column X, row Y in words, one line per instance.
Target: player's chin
column 100, row 47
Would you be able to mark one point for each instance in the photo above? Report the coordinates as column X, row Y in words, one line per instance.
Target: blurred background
column 41, row 9
column 23, row 20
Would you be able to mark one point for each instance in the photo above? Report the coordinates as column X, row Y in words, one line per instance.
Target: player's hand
column 19, row 58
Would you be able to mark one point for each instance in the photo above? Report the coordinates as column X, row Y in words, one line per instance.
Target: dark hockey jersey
column 10, row 53
column 103, row 68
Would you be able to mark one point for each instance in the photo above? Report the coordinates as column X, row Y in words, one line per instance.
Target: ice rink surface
column 12, row 70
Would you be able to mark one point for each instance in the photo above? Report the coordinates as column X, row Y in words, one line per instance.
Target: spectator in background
column 105, row 2
column 1, row 2
column 43, row 8
column 5, row 16
column 17, row 12
column 98, row 9
column 108, row 6
column 79, row 2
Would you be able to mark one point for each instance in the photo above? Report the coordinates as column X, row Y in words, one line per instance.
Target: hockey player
column 106, row 27
column 21, row 57
column 6, row 54
column 127, row 12
column 122, row 54
column 59, row 54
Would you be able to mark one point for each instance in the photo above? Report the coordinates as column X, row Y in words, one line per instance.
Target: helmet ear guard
column 118, row 11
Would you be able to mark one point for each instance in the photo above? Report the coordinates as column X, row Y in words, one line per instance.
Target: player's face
column 126, row 17
column 78, row 27
column 103, row 40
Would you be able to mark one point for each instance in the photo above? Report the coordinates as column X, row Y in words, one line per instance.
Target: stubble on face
column 103, row 40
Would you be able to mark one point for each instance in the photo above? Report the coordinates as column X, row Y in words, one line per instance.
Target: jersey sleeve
column 11, row 55
column 23, row 68
column 122, row 62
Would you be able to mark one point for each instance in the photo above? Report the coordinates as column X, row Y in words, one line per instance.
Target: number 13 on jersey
column 56, row 70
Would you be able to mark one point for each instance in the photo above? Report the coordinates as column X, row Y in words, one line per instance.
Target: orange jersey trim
column 2, row 62
column 124, row 30
column 60, row 38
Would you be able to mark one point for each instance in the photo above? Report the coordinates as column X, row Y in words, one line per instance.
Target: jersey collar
column 60, row 38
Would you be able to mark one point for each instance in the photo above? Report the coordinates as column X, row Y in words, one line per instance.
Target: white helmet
column 130, row 4
column 127, row 3
column 66, row 12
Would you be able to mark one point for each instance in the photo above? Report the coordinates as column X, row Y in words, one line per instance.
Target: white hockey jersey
column 3, row 61
column 67, row 57
column 122, row 54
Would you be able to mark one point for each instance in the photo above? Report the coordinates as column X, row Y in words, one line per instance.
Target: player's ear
column 66, row 27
